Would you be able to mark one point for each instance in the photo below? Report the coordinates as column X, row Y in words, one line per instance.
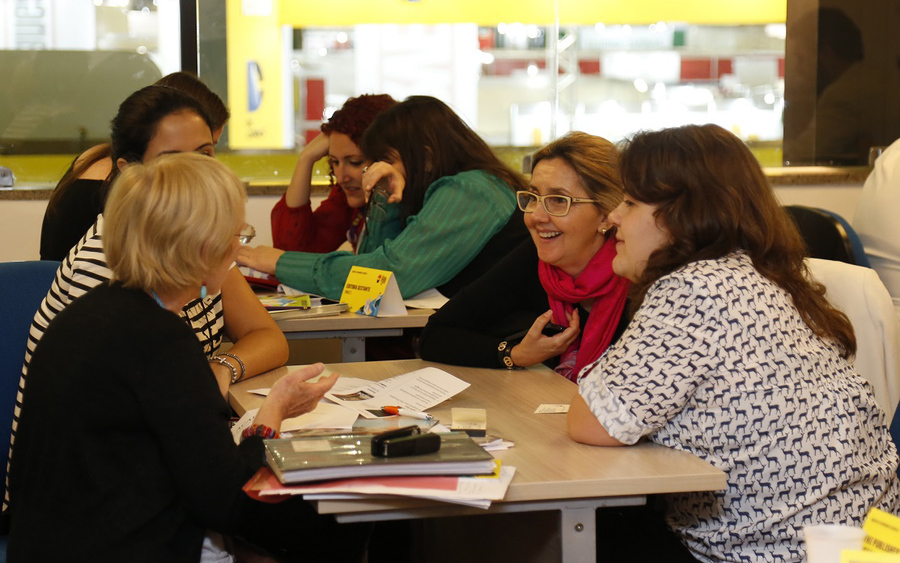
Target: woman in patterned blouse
column 733, row 355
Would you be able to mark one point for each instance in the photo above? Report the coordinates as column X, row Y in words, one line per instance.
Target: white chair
column 859, row 293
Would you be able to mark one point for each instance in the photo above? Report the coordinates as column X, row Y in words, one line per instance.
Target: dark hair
column 357, row 114
column 432, row 142
column 713, row 198
column 132, row 129
column 139, row 115
column 188, row 83
column 596, row 162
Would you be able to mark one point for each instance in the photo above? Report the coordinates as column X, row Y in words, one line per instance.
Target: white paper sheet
column 325, row 415
column 428, row 299
column 417, row 390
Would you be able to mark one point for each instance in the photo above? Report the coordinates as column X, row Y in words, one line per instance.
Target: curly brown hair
column 357, row 114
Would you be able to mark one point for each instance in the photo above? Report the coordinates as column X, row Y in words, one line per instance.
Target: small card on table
column 372, row 292
column 547, row 408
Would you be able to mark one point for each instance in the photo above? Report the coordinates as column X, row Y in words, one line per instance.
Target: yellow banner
column 309, row 13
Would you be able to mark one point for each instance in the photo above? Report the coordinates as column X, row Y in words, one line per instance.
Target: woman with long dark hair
column 81, row 192
column 456, row 219
column 733, row 355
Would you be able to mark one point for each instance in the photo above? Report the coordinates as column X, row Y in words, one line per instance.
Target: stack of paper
column 467, row 490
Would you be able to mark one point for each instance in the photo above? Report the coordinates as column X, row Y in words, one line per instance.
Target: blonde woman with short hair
column 147, row 463
column 171, row 210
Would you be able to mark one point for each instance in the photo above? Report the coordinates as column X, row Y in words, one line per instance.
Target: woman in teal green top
column 443, row 209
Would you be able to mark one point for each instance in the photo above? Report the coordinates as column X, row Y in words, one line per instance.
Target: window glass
column 66, row 66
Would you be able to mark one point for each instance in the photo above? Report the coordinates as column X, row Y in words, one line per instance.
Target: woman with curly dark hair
column 295, row 226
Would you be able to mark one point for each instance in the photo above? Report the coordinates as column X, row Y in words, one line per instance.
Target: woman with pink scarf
column 555, row 299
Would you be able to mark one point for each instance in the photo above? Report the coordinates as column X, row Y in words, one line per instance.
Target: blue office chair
column 828, row 235
column 859, row 252
column 22, row 287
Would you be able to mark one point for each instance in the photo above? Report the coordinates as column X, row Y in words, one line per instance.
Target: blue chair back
column 828, row 235
column 22, row 287
column 859, row 252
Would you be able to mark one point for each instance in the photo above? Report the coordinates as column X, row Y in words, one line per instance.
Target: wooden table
column 352, row 329
column 552, row 471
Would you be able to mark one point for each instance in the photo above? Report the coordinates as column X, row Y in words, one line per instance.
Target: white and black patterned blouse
column 85, row 268
column 719, row 363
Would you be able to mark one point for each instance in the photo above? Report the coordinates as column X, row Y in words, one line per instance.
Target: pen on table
column 407, row 412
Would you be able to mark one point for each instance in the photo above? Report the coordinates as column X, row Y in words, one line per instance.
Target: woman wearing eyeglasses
column 124, row 451
column 503, row 320
column 457, row 216
column 153, row 121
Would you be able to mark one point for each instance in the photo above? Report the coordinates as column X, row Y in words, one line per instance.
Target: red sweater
column 323, row 230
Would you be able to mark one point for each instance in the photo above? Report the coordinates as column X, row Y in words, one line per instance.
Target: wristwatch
column 505, row 351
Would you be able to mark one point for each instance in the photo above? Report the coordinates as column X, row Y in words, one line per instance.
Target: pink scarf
column 609, row 292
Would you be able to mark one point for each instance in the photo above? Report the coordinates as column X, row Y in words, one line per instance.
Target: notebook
column 316, row 458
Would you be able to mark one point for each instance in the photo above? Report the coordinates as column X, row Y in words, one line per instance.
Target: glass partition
column 520, row 74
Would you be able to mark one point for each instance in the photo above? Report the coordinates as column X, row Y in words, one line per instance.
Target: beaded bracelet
column 226, row 363
column 260, row 430
column 240, row 363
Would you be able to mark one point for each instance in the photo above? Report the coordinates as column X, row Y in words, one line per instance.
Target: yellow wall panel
column 255, row 78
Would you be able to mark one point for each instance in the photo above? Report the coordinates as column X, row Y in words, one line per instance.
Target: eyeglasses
column 554, row 204
column 246, row 234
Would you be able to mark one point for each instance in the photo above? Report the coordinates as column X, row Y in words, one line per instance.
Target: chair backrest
column 827, row 235
column 859, row 251
column 859, row 293
column 22, row 287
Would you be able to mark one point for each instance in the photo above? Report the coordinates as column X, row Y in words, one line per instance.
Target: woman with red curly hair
column 295, row 226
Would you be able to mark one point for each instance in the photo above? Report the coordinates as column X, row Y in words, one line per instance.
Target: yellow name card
column 882, row 532
column 372, row 292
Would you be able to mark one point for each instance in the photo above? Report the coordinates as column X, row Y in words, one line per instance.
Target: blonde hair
column 596, row 162
column 170, row 222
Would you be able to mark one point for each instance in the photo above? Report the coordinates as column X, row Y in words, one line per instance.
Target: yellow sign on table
column 882, row 533
column 372, row 292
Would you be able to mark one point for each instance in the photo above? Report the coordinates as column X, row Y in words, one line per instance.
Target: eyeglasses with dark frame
column 557, row 205
column 246, row 234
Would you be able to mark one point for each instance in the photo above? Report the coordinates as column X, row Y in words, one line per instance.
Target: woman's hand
column 385, row 176
column 262, row 258
column 297, row 193
column 256, row 338
column 536, row 347
column 293, row 395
